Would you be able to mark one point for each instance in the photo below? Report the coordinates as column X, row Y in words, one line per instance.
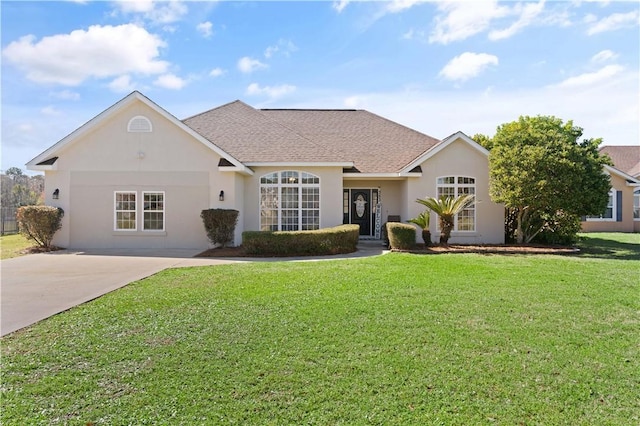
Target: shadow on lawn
column 601, row 248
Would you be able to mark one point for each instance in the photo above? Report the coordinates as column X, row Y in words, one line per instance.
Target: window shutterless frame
column 125, row 211
column 153, row 210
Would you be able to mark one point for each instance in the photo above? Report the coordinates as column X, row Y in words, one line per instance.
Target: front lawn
column 399, row 339
column 13, row 245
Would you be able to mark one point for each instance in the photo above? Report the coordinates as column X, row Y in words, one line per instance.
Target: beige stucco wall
column 109, row 159
column 459, row 159
column 627, row 224
column 330, row 195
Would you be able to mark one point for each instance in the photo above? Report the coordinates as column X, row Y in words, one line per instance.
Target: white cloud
column 248, row 65
column 122, row 84
column 170, row 81
column 66, row 95
column 460, row 20
column 99, row 52
column 604, row 56
column 217, row 72
column 467, row 65
column 50, row 111
column 340, row 5
column 205, row 28
column 591, row 78
column 396, row 6
column 284, row 47
column 528, row 14
column 270, row 91
column 613, row 22
column 157, row 12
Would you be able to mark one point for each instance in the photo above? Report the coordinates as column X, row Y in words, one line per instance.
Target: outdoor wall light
column 56, row 194
column 221, row 196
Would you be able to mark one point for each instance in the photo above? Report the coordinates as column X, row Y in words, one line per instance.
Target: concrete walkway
column 37, row 286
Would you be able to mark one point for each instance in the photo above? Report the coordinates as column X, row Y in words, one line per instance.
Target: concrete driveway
column 37, row 286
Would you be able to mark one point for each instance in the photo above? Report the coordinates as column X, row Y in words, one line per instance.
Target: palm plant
column 422, row 220
column 446, row 208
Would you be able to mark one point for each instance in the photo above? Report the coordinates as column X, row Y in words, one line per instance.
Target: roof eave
column 299, row 164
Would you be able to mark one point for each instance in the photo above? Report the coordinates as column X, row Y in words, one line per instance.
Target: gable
column 135, row 105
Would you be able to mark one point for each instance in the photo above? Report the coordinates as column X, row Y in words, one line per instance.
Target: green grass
column 13, row 245
column 608, row 245
column 399, row 339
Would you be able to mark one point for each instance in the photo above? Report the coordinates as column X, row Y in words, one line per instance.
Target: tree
column 484, row 140
column 19, row 189
column 446, row 208
column 538, row 169
column 423, row 220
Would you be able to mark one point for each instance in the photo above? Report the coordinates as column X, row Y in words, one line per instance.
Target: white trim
column 298, row 164
column 623, row 175
column 442, row 145
column 635, row 219
column 119, row 106
column 43, row 168
column 365, row 176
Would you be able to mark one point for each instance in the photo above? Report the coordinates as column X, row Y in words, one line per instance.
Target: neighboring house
column 623, row 211
column 135, row 176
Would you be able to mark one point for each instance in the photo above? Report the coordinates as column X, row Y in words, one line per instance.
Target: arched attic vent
column 139, row 124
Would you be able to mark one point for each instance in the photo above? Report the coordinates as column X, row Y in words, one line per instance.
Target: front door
column 361, row 209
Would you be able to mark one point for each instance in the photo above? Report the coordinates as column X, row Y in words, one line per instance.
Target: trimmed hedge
column 220, row 225
column 402, row 236
column 39, row 223
column 336, row 240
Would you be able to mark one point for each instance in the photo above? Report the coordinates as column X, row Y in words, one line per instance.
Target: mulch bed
column 436, row 249
column 493, row 249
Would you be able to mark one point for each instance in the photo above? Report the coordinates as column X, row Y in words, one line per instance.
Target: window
column 610, row 212
column 455, row 186
column 126, row 208
column 636, row 204
column 289, row 201
column 153, row 211
column 125, row 211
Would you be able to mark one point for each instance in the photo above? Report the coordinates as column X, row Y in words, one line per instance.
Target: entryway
column 360, row 207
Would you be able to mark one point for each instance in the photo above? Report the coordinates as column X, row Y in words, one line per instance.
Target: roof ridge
column 215, row 108
column 311, row 109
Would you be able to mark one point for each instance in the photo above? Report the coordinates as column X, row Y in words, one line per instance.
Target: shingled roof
column 372, row 143
column 625, row 158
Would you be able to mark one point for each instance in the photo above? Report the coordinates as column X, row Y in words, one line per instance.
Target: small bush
column 402, row 236
column 220, row 225
column 561, row 228
column 39, row 223
column 336, row 240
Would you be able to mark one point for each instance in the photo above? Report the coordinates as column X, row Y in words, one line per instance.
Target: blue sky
column 436, row 66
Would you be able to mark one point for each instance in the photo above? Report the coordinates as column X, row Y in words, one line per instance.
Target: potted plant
column 422, row 220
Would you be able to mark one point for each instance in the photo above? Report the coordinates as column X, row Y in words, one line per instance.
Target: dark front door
column 361, row 209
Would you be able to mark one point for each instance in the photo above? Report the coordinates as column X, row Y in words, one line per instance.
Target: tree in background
column 539, row 170
column 19, row 189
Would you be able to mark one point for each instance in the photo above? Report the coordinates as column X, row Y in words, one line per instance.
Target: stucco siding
column 460, row 159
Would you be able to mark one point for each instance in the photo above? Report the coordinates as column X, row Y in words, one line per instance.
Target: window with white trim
column 455, row 186
column 636, row 204
column 126, row 206
column 125, row 211
column 610, row 212
column 289, row 201
column 153, row 211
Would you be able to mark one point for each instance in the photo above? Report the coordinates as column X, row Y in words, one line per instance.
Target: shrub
column 220, row 225
column 402, row 236
column 39, row 223
column 561, row 228
column 336, row 240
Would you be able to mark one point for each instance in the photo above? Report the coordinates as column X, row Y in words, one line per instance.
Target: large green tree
column 539, row 169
